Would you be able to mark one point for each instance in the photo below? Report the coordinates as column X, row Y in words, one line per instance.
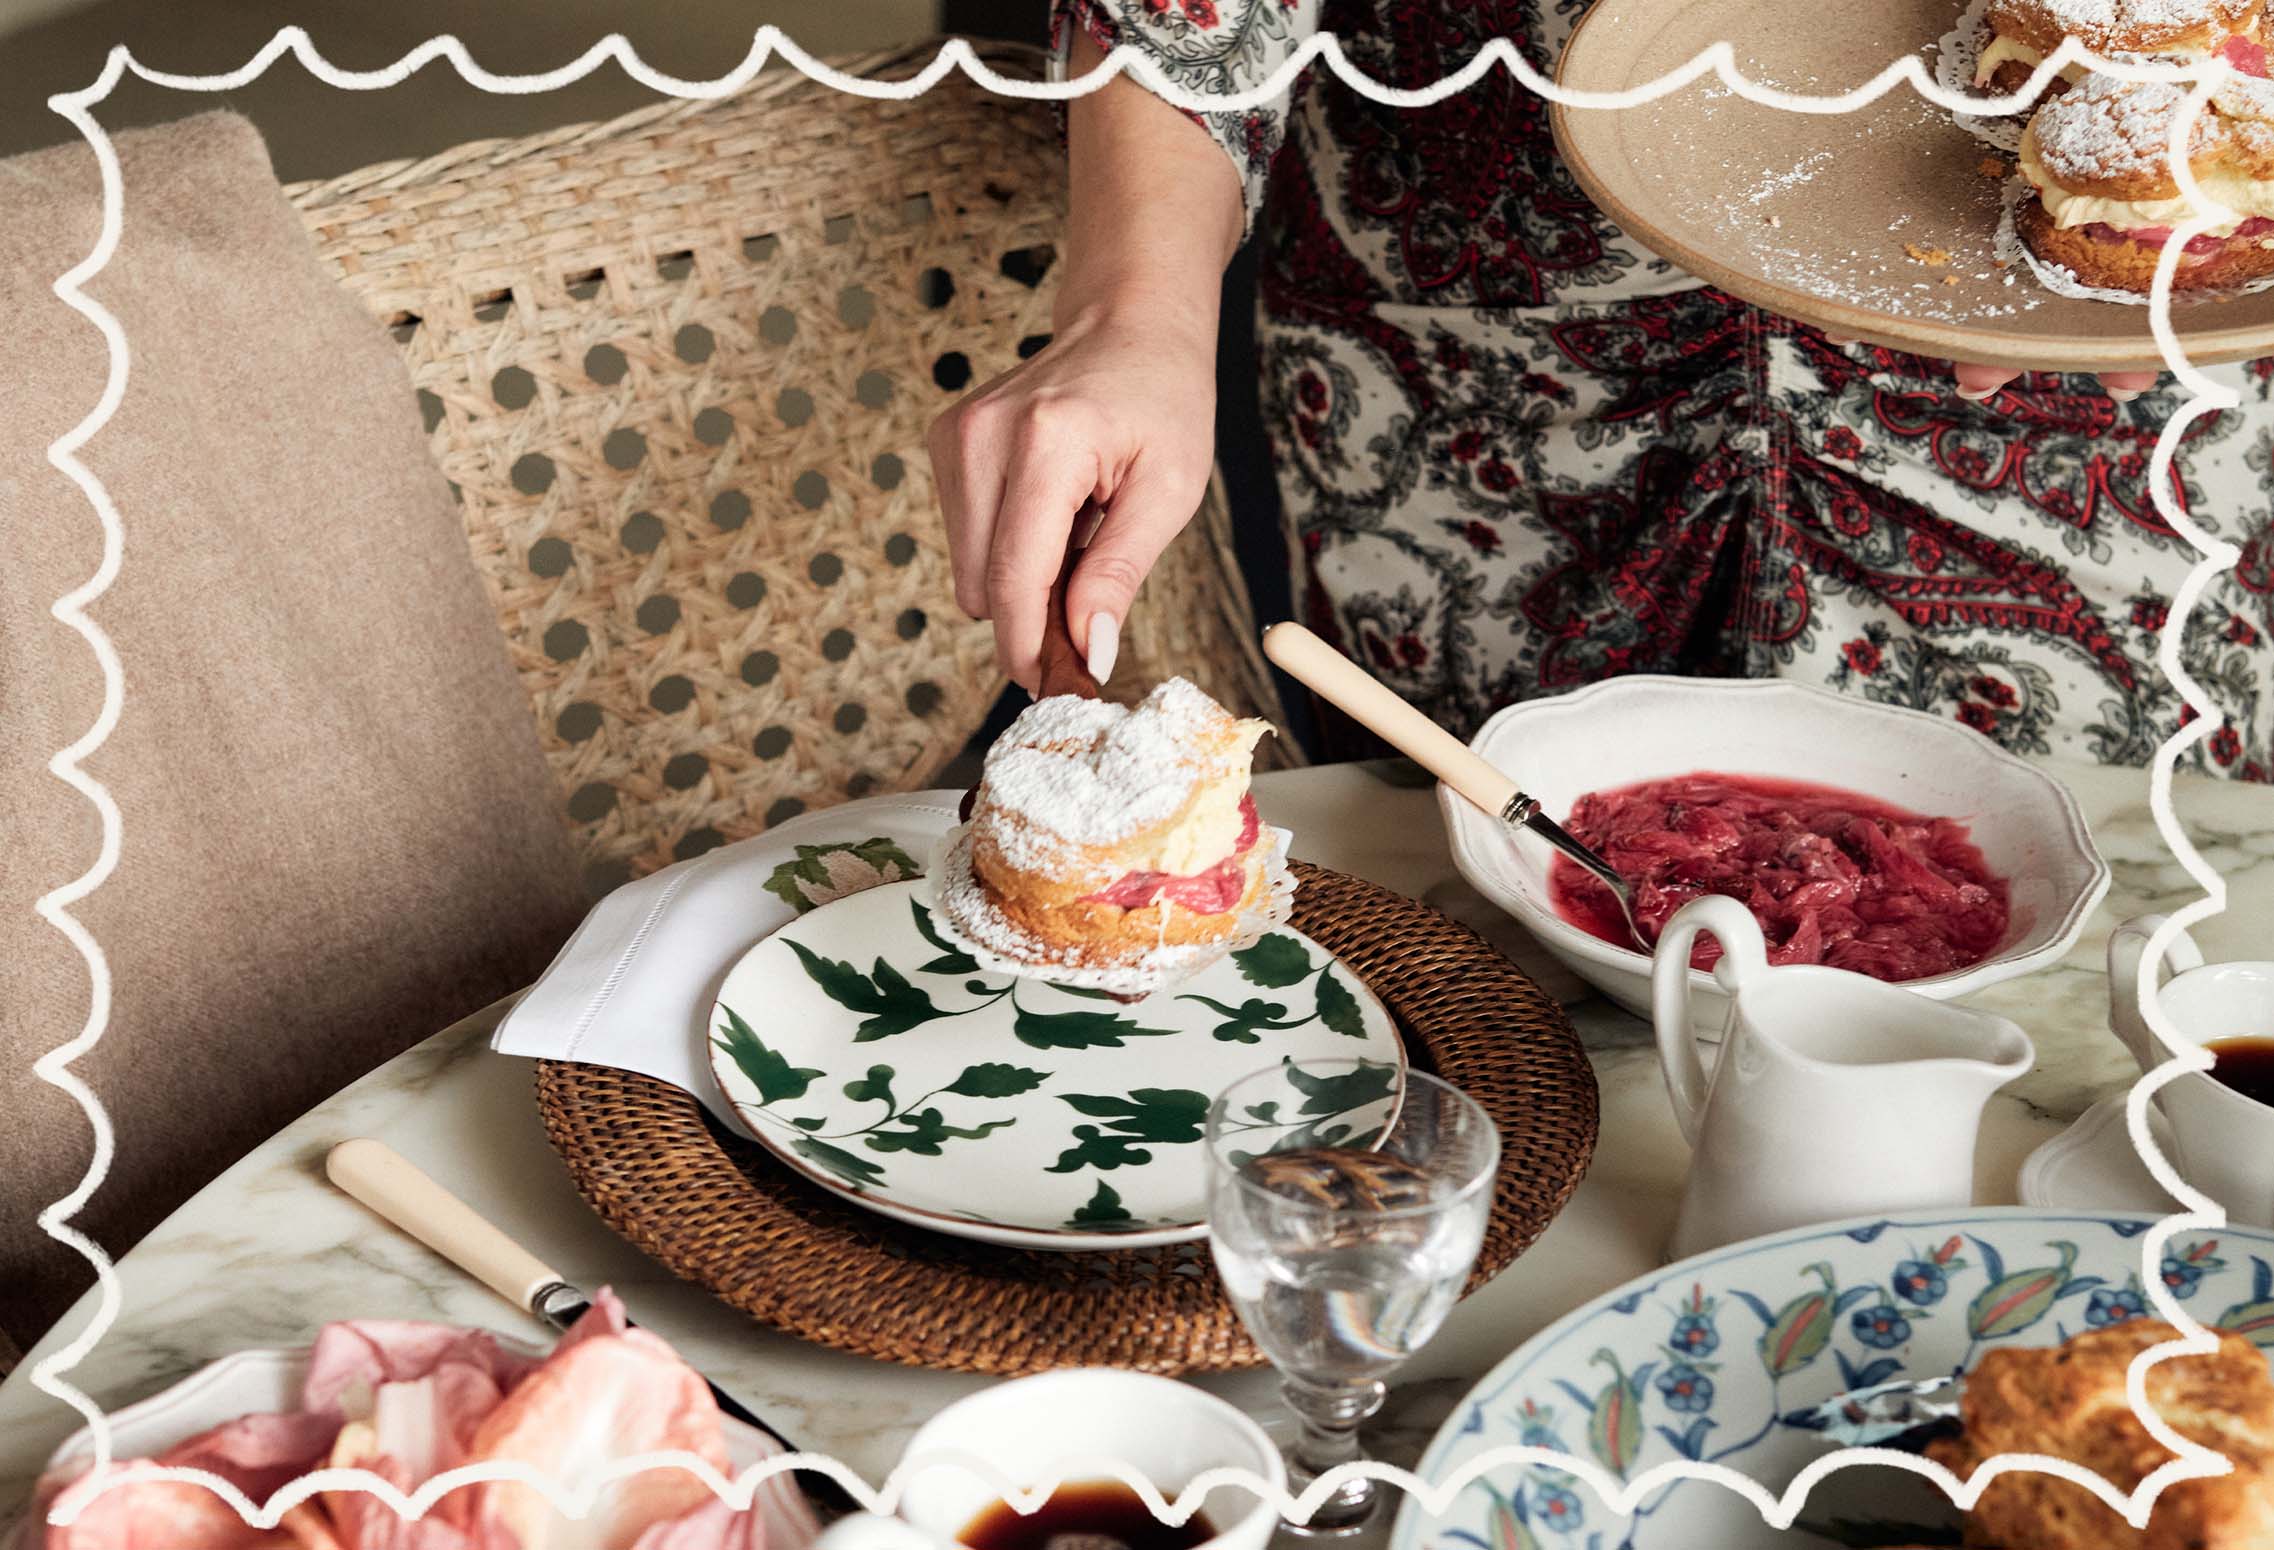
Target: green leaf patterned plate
column 871, row 1055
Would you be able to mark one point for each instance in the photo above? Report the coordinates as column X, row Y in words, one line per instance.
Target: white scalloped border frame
column 575, row 1499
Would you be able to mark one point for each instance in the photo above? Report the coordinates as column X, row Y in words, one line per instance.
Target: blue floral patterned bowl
column 1720, row 1358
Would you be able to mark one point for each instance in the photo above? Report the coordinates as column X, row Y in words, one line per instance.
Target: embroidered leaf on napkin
column 1338, row 1008
column 952, row 959
column 774, row 1077
column 1079, row 1030
column 922, row 1132
column 1241, row 1022
column 819, row 873
column 992, row 1079
column 891, row 1005
column 1275, row 963
column 856, row 1171
column 1104, row 1213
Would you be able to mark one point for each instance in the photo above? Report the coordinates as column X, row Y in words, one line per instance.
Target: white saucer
column 2093, row 1165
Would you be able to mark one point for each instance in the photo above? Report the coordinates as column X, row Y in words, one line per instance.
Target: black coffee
column 2246, row 1065
column 1092, row 1515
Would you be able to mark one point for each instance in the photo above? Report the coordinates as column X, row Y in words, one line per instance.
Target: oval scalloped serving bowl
column 1646, row 727
column 1707, row 1359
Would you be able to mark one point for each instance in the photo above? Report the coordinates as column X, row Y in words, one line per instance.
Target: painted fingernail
column 1976, row 395
column 2123, row 395
column 1103, row 646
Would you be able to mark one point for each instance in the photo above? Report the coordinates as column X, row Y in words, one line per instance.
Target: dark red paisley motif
column 1972, row 582
column 1308, row 276
column 1477, row 207
column 1630, row 477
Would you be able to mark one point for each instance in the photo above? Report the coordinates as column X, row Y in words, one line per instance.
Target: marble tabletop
column 269, row 1251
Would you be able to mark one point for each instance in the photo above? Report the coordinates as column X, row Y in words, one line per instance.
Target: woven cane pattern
column 679, row 368
column 722, row 1213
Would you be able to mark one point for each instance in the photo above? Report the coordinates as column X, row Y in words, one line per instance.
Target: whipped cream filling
column 1205, row 835
column 2246, row 196
column 2003, row 49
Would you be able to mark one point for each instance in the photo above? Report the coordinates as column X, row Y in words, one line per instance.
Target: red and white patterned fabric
column 1518, row 453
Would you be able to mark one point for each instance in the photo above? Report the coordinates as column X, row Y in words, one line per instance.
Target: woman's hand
column 1976, row 383
column 1119, row 408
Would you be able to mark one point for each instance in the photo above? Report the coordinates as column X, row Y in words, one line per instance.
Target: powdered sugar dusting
column 2107, row 128
column 1774, row 215
column 1071, row 773
column 2131, row 23
column 967, row 917
column 2246, row 97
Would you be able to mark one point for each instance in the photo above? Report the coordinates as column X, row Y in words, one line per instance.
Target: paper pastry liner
column 1956, row 59
column 949, row 872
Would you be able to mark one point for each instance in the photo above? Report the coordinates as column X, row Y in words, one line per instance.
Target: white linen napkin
column 634, row 986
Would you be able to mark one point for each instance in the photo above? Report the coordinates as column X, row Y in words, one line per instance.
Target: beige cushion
column 338, row 834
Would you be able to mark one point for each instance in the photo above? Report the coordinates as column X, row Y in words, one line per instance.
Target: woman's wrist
column 1141, row 309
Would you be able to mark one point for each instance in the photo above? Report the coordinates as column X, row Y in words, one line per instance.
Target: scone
column 2104, row 201
column 1119, row 843
column 2024, row 32
column 2069, row 1402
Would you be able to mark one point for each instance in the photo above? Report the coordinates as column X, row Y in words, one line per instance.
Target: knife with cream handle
column 1375, row 706
column 391, row 1185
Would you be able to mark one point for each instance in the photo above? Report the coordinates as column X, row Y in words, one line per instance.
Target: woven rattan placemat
column 721, row 1212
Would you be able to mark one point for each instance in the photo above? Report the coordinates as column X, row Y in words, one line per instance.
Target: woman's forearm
column 1155, row 208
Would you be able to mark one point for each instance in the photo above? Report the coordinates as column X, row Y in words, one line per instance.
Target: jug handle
column 1743, row 955
column 2127, row 945
column 875, row 1531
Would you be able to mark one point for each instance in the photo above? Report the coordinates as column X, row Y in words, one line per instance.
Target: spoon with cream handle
column 1375, row 706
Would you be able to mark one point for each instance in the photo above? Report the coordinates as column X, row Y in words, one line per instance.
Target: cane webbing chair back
column 678, row 368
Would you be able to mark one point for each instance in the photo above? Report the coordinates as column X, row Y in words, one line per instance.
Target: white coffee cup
column 2223, row 1141
column 1091, row 1423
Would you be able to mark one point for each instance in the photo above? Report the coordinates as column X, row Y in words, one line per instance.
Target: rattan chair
column 679, row 368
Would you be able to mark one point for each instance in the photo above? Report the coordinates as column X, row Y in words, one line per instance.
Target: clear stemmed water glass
column 1346, row 1204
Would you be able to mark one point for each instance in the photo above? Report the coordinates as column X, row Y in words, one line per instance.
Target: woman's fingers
column 1050, row 474
column 2124, row 386
column 1976, row 383
column 967, row 469
column 1147, row 512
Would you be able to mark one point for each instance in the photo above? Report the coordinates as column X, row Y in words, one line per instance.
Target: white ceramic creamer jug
column 1834, row 1094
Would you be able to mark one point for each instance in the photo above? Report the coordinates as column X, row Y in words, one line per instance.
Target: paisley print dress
column 1517, row 453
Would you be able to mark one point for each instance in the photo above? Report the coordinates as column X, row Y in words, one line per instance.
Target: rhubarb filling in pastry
column 1207, row 893
column 1110, row 841
column 2106, row 200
